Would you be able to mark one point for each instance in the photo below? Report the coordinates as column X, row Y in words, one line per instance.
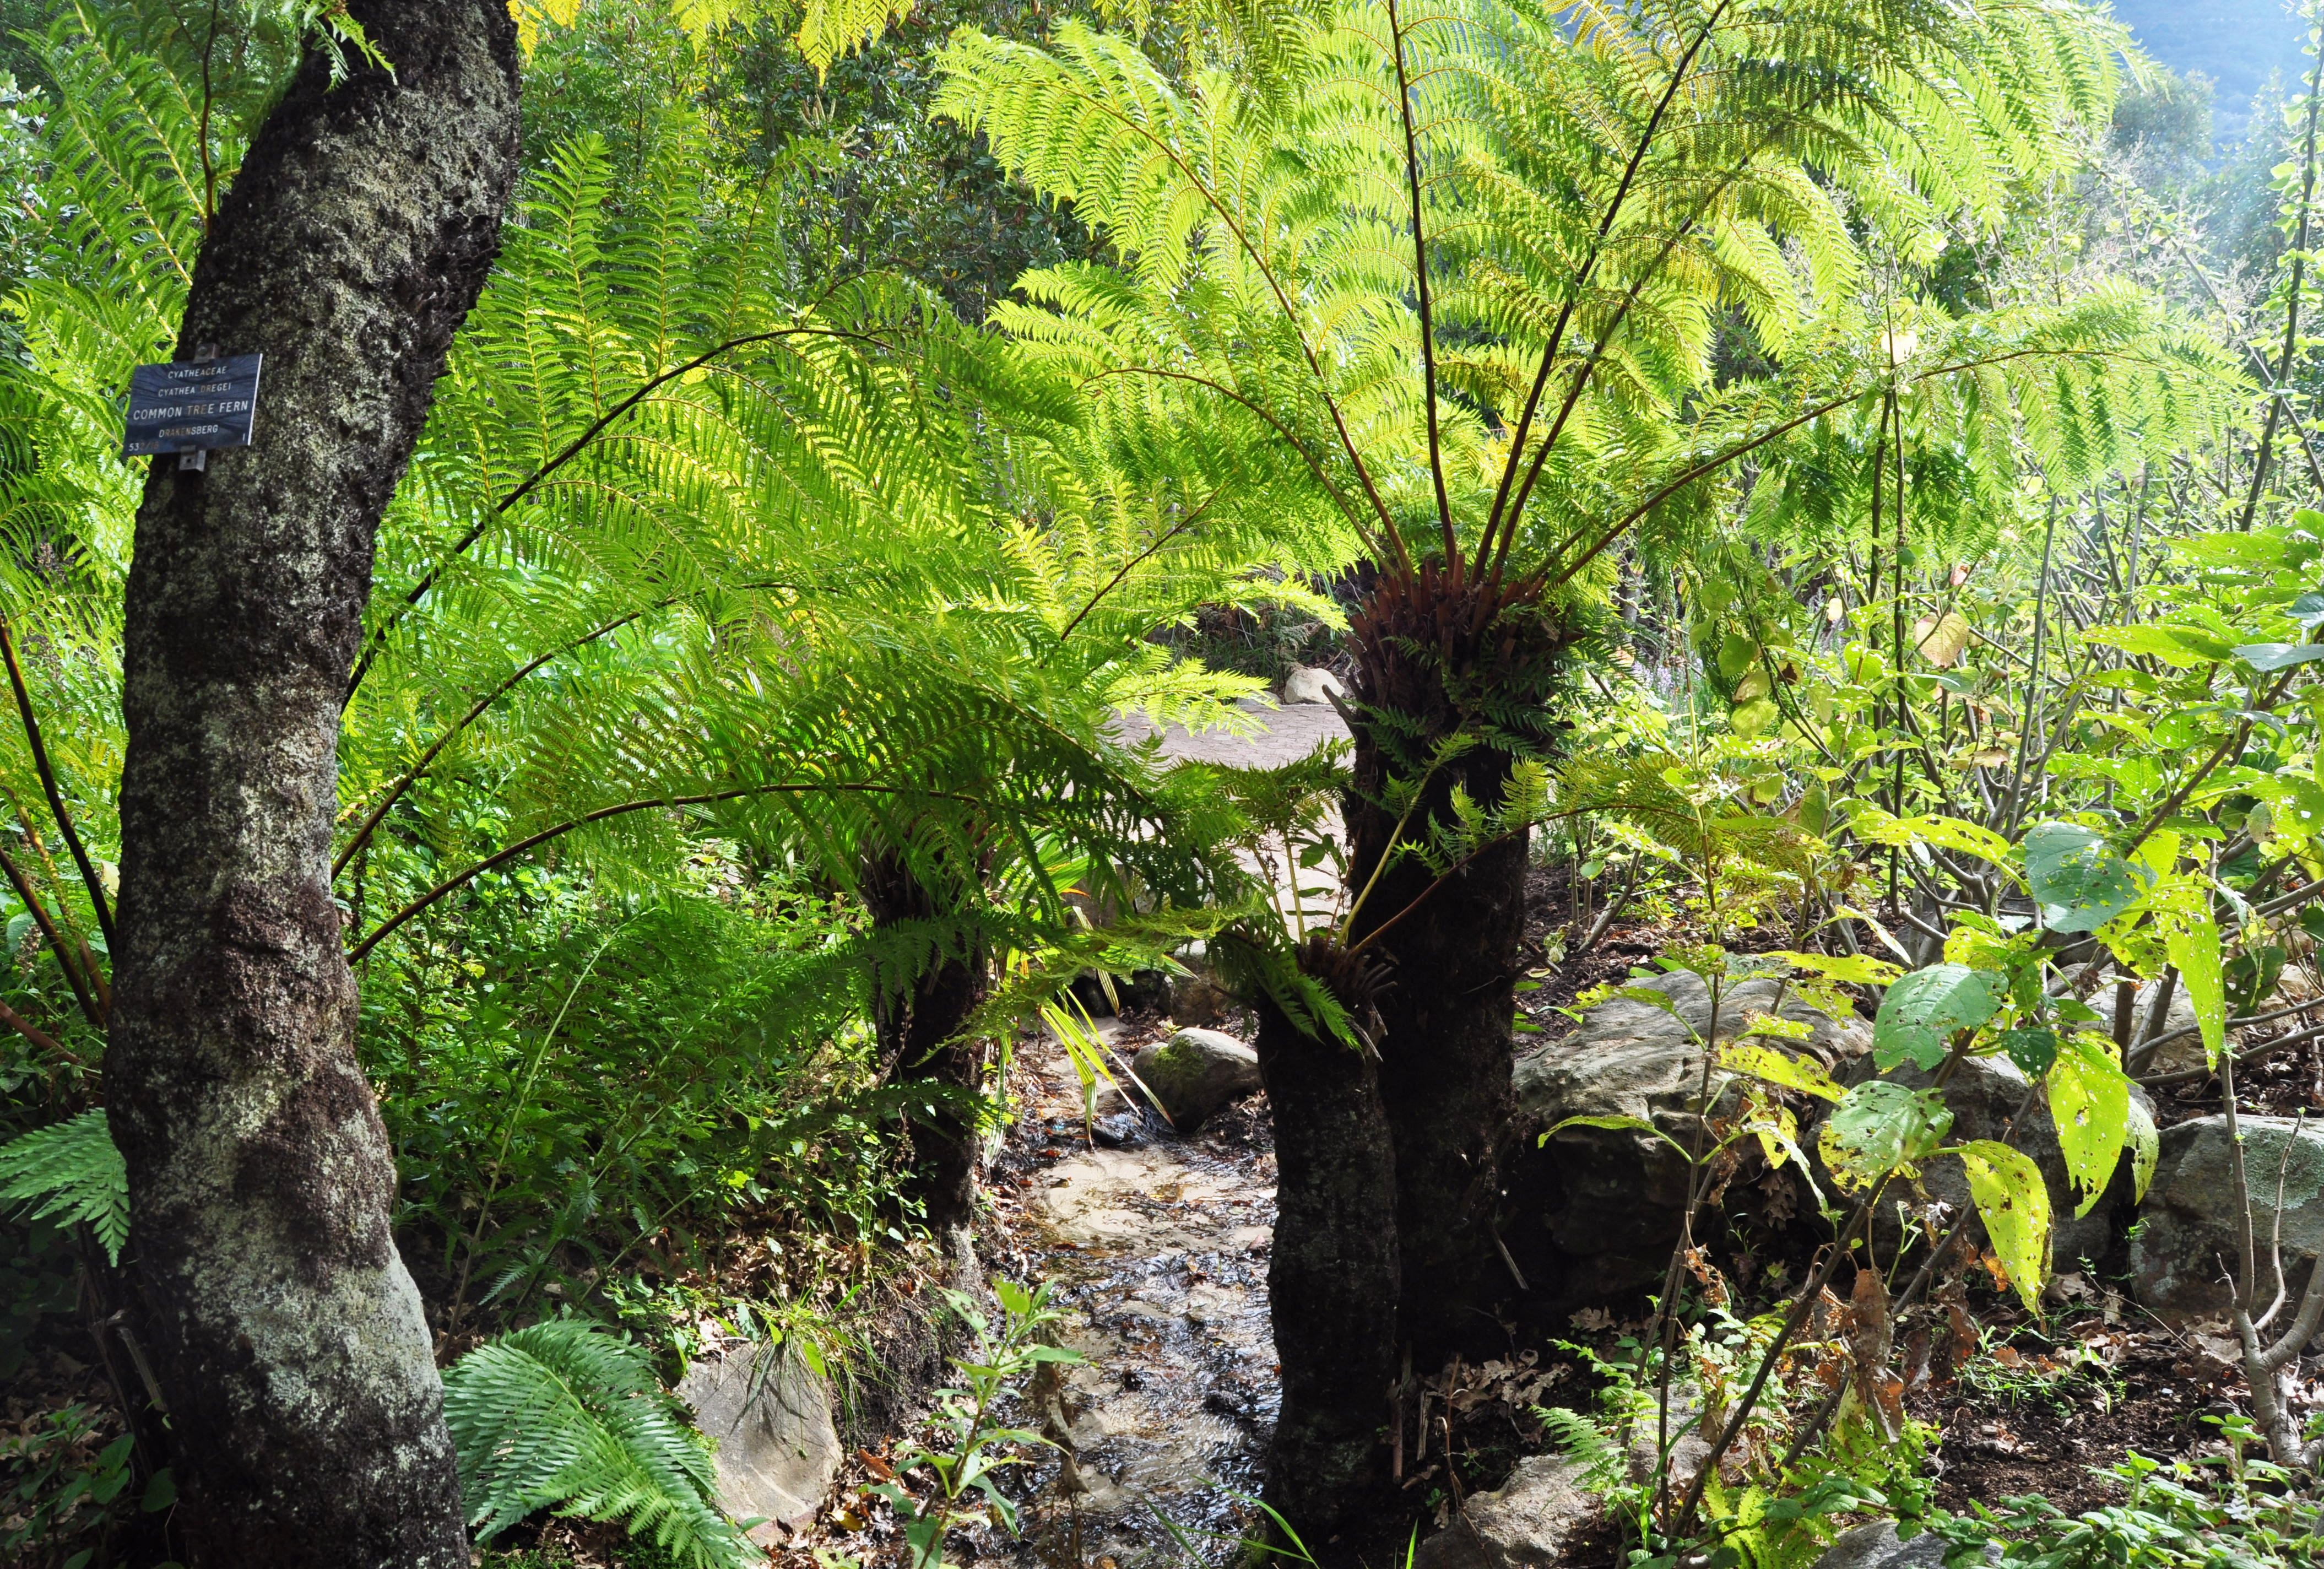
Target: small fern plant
column 70, row 1173
column 566, row 1417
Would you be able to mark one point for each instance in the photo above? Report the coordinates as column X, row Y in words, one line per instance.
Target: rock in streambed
column 1195, row 1072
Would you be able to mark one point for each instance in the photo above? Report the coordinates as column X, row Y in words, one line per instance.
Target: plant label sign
column 192, row 405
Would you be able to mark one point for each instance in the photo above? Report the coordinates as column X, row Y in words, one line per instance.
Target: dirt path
column 1158, row 1245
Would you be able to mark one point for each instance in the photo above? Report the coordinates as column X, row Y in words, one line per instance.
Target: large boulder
column 777, row 1448
column 1984, row 1095
column 2185, row 1248
column 1877, row 1546
column 1195, row 1072
column 1312, row 683
column 1620, row 1192
column 1529, row 1523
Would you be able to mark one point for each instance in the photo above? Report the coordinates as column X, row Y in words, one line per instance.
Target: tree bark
column 1427, row 665
column 288, row 1337
column 1332, row 1278
column 918, row 1023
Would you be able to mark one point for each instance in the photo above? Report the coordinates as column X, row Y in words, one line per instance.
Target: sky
column 2234, row 43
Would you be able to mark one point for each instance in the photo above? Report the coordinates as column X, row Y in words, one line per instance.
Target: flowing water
column 1158, row 1248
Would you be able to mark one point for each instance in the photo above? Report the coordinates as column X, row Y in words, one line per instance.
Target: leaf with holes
column 2006, row 1187
column 2032, row 1047
column 2090, row 1101
column 1781, row 1067
column 1926, row 1006
column 1880, row 1128
column 2078, row 879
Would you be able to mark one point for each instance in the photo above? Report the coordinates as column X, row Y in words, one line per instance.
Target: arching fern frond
column 569, row 1418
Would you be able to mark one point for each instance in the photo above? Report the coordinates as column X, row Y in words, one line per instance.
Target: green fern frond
column 70, row 1172
column 566, row 1417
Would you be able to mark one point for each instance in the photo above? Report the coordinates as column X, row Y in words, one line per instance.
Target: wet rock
column 1123, row 1131
column 2186, row 1245
column 1877, row 1546
column 1195, row 1072
column 1312, row 683
column 777, row 1448
column 1620, row 1192
column 1984, row 1094
column 1529, row 1523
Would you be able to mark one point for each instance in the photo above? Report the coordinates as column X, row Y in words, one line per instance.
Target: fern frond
column 566, row 1417
column 70, row 1172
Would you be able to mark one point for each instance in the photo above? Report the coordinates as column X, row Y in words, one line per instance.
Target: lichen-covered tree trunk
column 1429, row 666
column 290, row 1340
column 1332, row 1278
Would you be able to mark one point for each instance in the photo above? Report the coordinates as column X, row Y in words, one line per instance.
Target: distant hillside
column 2234, row 43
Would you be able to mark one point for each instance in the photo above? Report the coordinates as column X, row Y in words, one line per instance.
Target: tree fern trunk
column 919, row 1023
column 290, row 1340
column 1331, row 1285
column 1426, row 670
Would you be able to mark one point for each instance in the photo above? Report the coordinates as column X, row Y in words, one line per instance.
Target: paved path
column 1286, row 734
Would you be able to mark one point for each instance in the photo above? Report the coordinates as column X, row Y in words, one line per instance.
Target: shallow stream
column 1157, row 1247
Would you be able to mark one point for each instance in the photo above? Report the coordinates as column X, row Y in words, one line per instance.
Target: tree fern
column 69, row 1172
column 565, row 1416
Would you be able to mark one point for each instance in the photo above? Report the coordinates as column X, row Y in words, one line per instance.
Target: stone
column 1196, row 999
column 1620, row 1194
column 1195, row 1072
column 1529, row 1523
column 1312, row 683
column 2166, row 1054
column 778, row 1447
column 1877, row 1546
column 2184, row 1251
column 1983, row 1095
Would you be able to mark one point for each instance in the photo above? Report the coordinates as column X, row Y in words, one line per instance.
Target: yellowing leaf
column 1778, row 1067
column 1942, row 640
column 2193, row 946
column 2090, row 1101
column 530, row 13
column 2006, row 1187
column 1879, row 827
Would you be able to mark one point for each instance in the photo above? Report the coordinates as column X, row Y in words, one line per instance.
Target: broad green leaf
column 2180, row 646
column 1849, row 969
column 2090, row 1101
column 1921, row 1009
column 2032, row 1047
column 2006, row 1187
column 1631, row 1124
column 2295, row 805
column 2145, row 1148
column 2079, row 880
column 2278, row 656
column 1879, row 1128
column 2194, row 946
column 1780, row 1068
